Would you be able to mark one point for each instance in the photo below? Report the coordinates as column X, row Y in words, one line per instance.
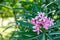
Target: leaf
column 58, row 12
column 7, row 28
column 19, row 9
column 57, row 2
column 24, row 24
column 50, row 38
column 43, row 36
column 8, row 0
column 55, row 33
column 1, row 37
column 57, row 37
column 36, row 37
column 26, row 2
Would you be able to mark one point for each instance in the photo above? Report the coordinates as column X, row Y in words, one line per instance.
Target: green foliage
column 24, row 11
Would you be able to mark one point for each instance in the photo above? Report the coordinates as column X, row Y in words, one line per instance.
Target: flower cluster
column 41, row 21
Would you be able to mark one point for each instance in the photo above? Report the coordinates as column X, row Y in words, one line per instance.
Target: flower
column 36, row 29
column 33, row 21
column 41, row 21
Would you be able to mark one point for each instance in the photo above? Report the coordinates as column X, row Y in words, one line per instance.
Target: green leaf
column 43, row 36
column 26, row 2
column 57, row 2
column 36, row 37
column 57, row 37
column 8, row 0
column 50, row 38
column 16, row 9
column 25, row 24
column 55, row 33
column 58, row 12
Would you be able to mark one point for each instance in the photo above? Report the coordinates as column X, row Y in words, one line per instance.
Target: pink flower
column 37, row 29
column 41, row 21
column 37, row 17
column 41, row 14
column 33, row 21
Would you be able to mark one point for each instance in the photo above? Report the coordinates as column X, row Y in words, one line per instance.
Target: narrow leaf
column 54, row 33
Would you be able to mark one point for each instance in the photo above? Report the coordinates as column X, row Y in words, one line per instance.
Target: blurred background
column 15, row 16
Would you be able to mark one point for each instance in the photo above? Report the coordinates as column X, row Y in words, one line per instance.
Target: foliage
column 24, row 10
